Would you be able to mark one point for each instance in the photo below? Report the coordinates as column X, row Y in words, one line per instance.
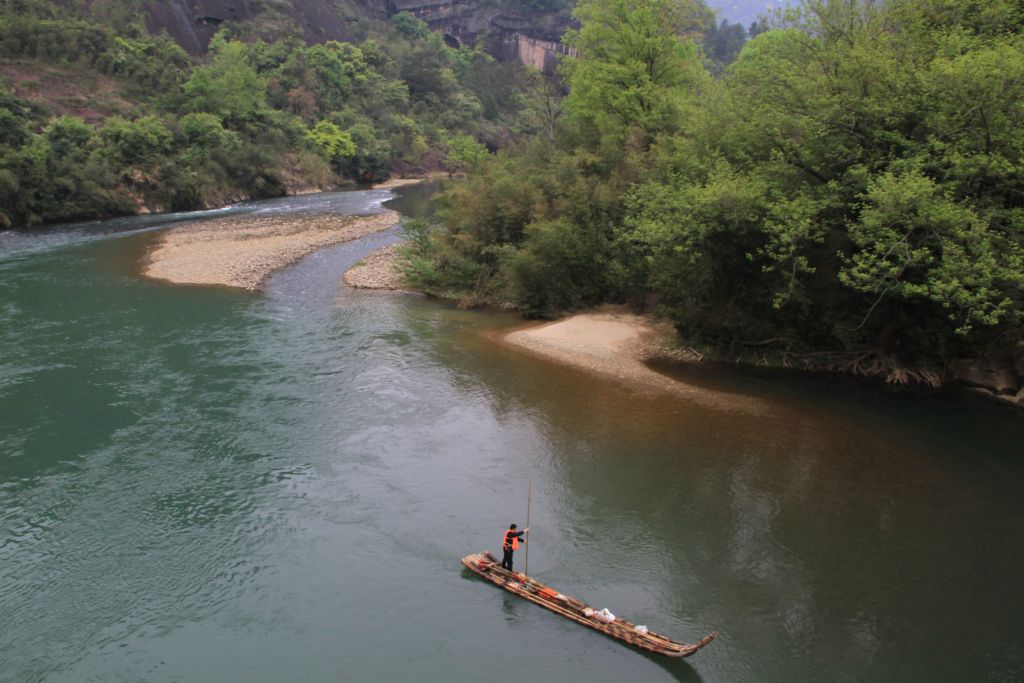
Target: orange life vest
column 515, row 540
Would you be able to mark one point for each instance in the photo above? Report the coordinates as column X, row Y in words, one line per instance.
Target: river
column 199, row 484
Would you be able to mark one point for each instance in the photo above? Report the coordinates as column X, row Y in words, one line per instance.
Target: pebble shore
column 243, row 251
column 377, row 270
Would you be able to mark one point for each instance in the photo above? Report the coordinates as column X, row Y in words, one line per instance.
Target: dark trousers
column 506, row 561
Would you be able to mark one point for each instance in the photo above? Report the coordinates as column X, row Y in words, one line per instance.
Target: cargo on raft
column 488, row 567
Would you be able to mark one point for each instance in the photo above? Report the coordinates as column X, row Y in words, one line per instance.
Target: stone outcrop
column 456, row 17
column 997, row 378
column 192, row 23
column 534, row 40
column 997, row 375
column 541, row 54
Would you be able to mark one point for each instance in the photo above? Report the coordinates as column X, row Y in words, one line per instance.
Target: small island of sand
column 242, row 251
column 615, row 344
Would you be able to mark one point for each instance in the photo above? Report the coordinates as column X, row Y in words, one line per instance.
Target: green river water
column 199, row 484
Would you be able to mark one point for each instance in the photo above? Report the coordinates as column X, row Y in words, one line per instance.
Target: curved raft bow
column 488, row 567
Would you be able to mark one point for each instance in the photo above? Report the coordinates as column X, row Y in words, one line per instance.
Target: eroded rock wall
column 533, row 40
column 192, row 23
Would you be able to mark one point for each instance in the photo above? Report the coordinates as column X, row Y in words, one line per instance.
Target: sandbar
column 243, row 251
column 615, row 344
column 398, row 182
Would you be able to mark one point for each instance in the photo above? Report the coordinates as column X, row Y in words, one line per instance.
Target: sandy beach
column 377, row 270
column 614, row 344
column 242, row 251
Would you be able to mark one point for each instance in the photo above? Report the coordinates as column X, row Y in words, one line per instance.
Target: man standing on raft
column 511, row 544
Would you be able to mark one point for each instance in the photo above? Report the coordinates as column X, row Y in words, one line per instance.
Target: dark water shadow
column 510, row 605
column 679, row 669
column 415, row 201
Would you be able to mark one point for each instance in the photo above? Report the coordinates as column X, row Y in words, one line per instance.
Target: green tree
column 141, row 144
column 882, row 146
column 912, row 241
column 68, row 180
column 634, row 67
column 155, row 64
column 206, row 134
column 228, row 86
column 409, row 26
column 723, row 42
column 18, row 169
column 370, row 162
column 335, row 144
column 464, row 154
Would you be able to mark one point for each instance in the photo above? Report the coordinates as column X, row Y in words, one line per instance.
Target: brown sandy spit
column 614, row 343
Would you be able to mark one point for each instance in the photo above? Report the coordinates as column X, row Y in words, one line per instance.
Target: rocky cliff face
column 461, row 21
column 541, row 54
column 192, row 23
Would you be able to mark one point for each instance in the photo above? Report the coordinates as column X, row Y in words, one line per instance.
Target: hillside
column 67, row 90
column 105, row 111
column 193, row 23
column 115, row 106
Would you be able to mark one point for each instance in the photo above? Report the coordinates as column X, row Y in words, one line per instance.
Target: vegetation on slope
column 250, row 119
column 850, row 188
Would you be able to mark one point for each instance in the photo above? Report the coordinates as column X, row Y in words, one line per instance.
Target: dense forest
column 150, row 127
column 848, row 194
column 839, row 186
column 103, row 114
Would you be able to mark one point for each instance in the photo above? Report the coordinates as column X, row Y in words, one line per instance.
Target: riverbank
column 616, row 344
column 242, row 251
column 392, row 183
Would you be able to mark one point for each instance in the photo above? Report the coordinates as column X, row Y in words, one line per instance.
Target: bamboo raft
column 488, row 567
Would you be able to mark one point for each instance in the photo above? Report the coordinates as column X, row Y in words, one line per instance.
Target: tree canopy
column 852, row 183
column 252, row 118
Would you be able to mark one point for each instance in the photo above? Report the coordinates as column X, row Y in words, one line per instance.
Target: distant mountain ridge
column 747, row 11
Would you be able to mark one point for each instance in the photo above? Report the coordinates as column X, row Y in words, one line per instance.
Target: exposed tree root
column 863, row 364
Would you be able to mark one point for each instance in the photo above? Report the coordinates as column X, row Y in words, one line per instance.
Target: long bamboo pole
column 529, row 496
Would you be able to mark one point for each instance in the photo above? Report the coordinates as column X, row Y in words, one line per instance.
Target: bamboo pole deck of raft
column 619, row 629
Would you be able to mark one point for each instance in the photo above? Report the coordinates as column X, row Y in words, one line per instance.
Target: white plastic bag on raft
column 641, row 629
column 605, row 616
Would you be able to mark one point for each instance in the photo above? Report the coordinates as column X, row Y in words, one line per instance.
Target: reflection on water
column 201, row 484
column 416, row 201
